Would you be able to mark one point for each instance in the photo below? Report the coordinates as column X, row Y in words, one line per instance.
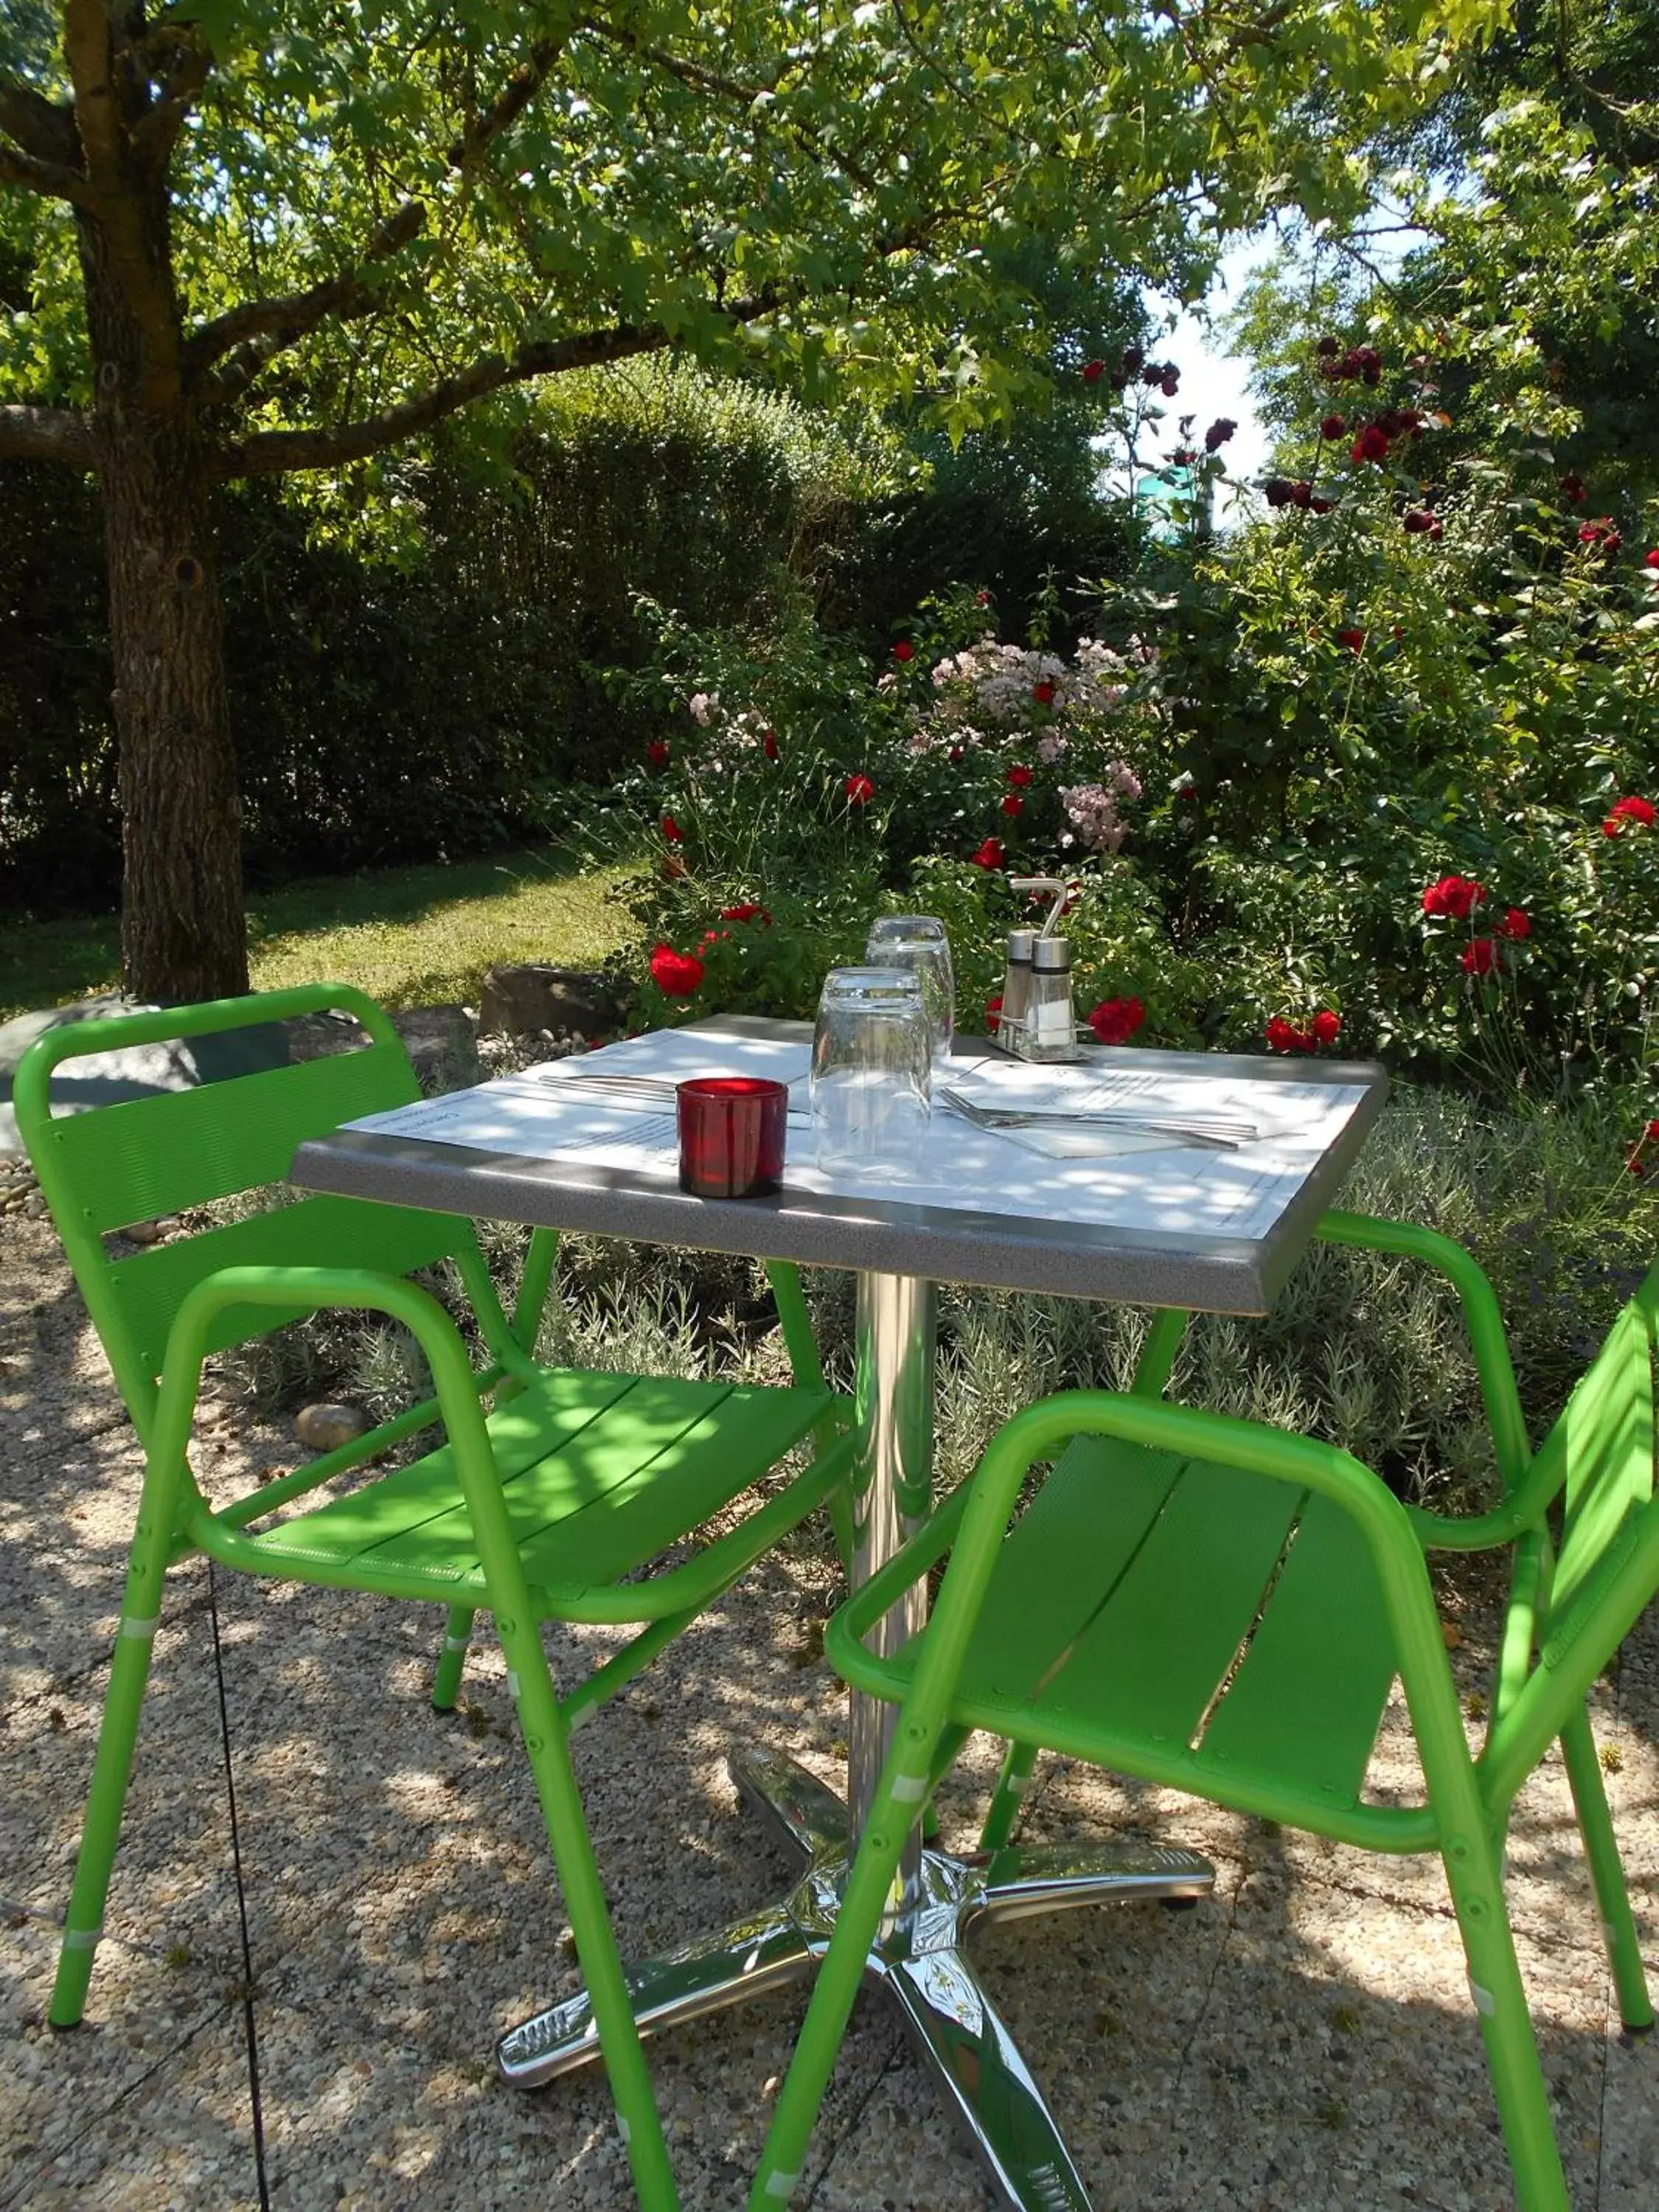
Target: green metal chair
column 551, row 1489
column 1222, row 1608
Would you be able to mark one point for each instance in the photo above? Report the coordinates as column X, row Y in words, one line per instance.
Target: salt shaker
column 1048, row 1029
column 1016, row 989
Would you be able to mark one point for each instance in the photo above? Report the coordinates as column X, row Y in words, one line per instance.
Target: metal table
column 898, row 1252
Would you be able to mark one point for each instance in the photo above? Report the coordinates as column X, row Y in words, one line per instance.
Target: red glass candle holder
column 732, row 1132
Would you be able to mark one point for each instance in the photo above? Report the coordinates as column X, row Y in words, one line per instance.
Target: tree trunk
column 183, row 934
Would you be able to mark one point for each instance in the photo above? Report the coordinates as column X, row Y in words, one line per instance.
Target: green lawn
column 409, row 936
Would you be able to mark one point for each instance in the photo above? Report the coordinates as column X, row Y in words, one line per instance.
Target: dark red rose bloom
column 1020, row 776
column 1633, row 1165
column 1652, row 1129
column 1515, row 924
column 1436, row 531
column 1183, row 458
column 1328, row 346
column 1280, row 490
column 749, row 911
column 1651, row 559
column 1114, row 1021
column 992, row 1009
column 1420, row 522
column 1572, row 487
column 860, row 790
column 1611, row 541
column 1171, row 383
column 1334, row 426
column 676, row 975
column 671, row 830
column 989, row 855
column 1588, row 533
column 769, row 743
column 1134, row 359
column 657, row 752
column 1093, row 371
column 1327, row 1026
column 1629, row 810
column 1043, row 694
column 1455, row 896
column 1321, row 506
column 1371, row 444
column 1285, row 1037
column 904, row 650
column 1218, row 432
column 954, row 753
column 1013, row 804
column 1353, row 639
column 1301, row 494
column 1479, row 955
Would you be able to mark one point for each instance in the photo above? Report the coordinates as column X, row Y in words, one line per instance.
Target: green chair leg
column 447, row 1676
column 547, row 1742
column 112, row 1765
column 1012, row 1784
column 1624, row 1946
column 1474, row 1873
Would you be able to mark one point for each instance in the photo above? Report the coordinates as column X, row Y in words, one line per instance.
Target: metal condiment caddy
column 1037, row 1021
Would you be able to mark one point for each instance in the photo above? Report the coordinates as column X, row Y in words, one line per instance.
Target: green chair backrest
column 112, row 1166
column 1599, row 1460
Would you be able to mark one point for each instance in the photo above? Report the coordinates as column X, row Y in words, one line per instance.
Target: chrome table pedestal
column 918, row 1956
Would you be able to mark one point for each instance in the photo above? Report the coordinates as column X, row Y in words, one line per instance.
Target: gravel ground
column 1304, row 2041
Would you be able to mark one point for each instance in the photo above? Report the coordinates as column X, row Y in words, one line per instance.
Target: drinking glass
column 872, row 1071
column 918, row 941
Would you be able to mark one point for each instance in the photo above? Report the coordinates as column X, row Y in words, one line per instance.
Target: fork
column 1222, row 1133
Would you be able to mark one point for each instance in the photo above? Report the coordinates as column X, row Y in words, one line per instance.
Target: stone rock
column 443, row 1045
column 524, row 1000
column 325, row 1428
column 145, row 1232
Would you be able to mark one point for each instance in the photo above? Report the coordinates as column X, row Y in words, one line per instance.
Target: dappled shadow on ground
column 1305, row 2040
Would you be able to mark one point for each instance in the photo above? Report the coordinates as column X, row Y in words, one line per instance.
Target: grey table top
column 881, row 1233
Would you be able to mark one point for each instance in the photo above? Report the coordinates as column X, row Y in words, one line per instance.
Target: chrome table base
column 918, row 1960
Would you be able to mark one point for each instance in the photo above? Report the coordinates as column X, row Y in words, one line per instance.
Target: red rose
column 1093, row 371
column 1114, row 1021
column 992, row 1011
column 769, row 743
column 749, row 911
column 1301, row 494
column 1013, row 804
column 671, row 830
column 1479, row 956
column 1218, row 432
column 676, row 975
column 1371, row 444
column 1043, row 693
column 1284, row 1036
column 989, row 855
column 1329, row 348
column 1169, row 382
column 1019, row 776
column 904, row 650
column 955, row 754
column 1628, row 810
column 1280, row 491
column 1418, row 522
column 1572, row 487
column 1353, row 639
column 657, row 752
column 859, row 791
column 1653, row 1129
column 1321, row 506
column 1455, row 896
column 1327, row 1026
column 1652, row 560
column 1515, row 924
column 1334, row 426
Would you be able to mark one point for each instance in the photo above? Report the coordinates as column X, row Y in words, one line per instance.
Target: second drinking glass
column 918, row 941
column 871, row 1073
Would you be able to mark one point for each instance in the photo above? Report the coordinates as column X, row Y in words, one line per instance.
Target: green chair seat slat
column 556, row 1407
column 147, row 1289
column 683, row 1485
column 1289, row 1713
column 1064, row 1553
column 1606, row 1432
column 600, row 1472
column 145, row 1156
column 1191, row 1594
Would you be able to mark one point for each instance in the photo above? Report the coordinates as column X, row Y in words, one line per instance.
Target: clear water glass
column 918, row 941
column 871, row 1073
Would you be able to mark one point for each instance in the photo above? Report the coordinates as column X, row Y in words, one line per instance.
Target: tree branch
column 45, row 433
column 55, row 178
column 692, row 73
column 272, row 452
column 38, row 128
column 509, row 105
column 253, row 332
